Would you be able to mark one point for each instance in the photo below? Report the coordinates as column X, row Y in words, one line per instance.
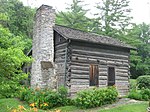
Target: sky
column 140, row 8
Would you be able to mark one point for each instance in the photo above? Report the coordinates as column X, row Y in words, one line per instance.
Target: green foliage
column 133, row 84
column 9, row 89
column 143, row 81
column 96, row 97
column 74, row 17
column 19, row 18
column 143, row 94
column 140, row 88
column 11, row 61
column 112, row 17
column 140, row 59
column 135, row 94
column 45, row 99
column 12, row 47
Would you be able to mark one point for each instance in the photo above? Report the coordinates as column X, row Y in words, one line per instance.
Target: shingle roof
column 75, row 34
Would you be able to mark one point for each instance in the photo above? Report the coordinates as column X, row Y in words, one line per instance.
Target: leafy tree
column 74, row 17
column 19, row 17
column 113, row 17
column 139, row 37
column 12, row 58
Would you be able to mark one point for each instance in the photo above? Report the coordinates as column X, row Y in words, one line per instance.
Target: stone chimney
column 43, row 72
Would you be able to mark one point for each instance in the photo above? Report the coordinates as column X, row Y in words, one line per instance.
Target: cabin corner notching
column 76, row 59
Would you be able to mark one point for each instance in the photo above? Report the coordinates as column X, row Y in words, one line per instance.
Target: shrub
column 143, row 94
column 45, row 99
column 143, row 81
column 9, row 89
column 133, row 84
column 135, row 94
column 96, row 97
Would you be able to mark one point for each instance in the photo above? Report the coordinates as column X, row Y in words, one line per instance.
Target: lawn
column 7, row 104
column 10, row 103
column 141, row 107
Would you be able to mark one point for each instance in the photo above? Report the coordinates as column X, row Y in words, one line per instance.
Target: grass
column 6, row 105
column 140, row 107
column 10, row 103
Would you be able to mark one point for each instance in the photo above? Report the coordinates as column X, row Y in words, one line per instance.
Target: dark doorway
column 111, row 76
column 94, row 75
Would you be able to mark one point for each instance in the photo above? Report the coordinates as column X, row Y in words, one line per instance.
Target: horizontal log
column 79, row 82
column 99, row 54
column 85, row 61
column 59, row 54
column 102, row 77
column 103, row 73
column 102, row 82
column 81, row 72
column 103, row 70
column 100, row 50
column 118, row 82
column 79, row 64
column 97, row 57
column 94, row 61
column 84, row 68
column 121, row 67
column 122, row 78
column 122, row 74
column 60, row 46
column 76, row 76
column 122, row 71
column 60, row 50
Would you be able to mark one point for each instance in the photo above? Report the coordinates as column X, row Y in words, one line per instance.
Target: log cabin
column 76, row 59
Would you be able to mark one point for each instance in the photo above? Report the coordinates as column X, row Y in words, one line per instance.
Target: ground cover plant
column 140, row 88
column 96, row 97
column 45, row 99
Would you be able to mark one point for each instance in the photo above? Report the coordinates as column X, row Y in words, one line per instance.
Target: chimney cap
column 44, row 6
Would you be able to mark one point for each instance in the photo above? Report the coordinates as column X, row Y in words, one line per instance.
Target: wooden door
column 94, row 75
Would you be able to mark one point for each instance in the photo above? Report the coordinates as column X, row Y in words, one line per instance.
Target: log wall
column 60, row 50
column 83, row 55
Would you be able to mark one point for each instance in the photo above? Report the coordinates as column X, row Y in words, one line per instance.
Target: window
column 94, row 75
column 111, row 76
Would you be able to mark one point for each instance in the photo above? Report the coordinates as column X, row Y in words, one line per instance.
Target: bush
column 9, row 89
column 133, row 84
column 143, row 81
column 135, row 94
column 96, row 97
column 143, row 94
column 45, row 99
